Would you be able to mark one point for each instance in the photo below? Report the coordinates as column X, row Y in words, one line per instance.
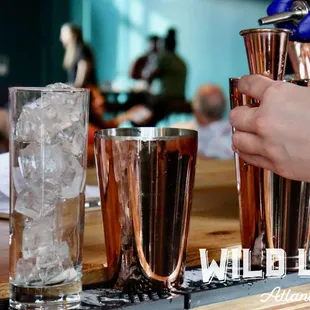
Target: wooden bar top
column 214, row 225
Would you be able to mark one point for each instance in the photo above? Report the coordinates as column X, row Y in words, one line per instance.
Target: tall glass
column 47, row 180
column 146, row 178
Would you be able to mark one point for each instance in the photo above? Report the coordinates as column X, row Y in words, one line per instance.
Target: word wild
column 209, row 271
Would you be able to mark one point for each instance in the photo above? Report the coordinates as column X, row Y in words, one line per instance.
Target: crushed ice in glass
column 50, row 170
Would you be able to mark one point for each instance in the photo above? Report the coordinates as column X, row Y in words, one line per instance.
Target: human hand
column 275, row 135
column 301, row 32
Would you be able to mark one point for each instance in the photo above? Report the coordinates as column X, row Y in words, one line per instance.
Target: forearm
column 4, row 123
column 82, row 71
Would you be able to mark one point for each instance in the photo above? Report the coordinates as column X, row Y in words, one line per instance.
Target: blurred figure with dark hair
column 171, row 70
column 214, row 133
column 142, row 66
column 78, row 59
column 79, row 63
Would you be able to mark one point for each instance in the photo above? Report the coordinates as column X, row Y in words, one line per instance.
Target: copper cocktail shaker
column 146, row 178
column 290, row 214
column 283, row 206
column 298, row 52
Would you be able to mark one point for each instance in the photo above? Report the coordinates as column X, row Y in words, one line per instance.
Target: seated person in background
column 142, row 66
column 171, row 72
column 137, row 114
column 78, row 59
column 214, row 133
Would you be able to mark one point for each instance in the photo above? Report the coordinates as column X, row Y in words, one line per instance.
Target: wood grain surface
column 214, row 223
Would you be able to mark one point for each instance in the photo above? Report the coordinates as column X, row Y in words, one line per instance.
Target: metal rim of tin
column 48, row 90
column 146, row 133
column 265, row 30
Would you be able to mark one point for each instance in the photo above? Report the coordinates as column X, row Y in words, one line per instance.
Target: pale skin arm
column 155, row 74
column 4, row 123
column 83, row 69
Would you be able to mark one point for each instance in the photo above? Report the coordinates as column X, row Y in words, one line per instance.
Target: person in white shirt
column 214, row 132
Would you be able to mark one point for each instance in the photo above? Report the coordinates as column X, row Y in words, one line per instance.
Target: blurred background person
column 214, row 132
column 119, row 34
column 140, row 70
column 137, row 114
column 171, row 72
column 146, row 63
column 80, row 66
column 78, row 58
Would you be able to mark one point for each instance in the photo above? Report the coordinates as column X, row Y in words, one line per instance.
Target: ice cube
column 72, row 139
column 18, row 180
column 55, row 110
column 26, row 126
column 52, row 271
column 38, row 235
column 57, row 274
column 53, row 114
column 72, row 274
column 51, row 262
column 37, row 200
column 59, row 111
column 47, row 257
column 72, row 178
column 63, row 251
column 41, row 120
column 26, row 271
column 50, row 112
column 25, row 204
column 41, row 162
column 59, row 86
column 34, row 123
column 77, row 108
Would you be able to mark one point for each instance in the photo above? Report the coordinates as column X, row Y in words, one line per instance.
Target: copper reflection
column 146, row 179
column 250, row 211
column 299, row 54
column 266, row 51
column 284, row 204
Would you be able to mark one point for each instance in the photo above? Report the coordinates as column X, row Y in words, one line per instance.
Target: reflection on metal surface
column 281, row 205
column 250, row 212
column 266, row 51
column 299, row 10
column 146, row 179
column 299, row 54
